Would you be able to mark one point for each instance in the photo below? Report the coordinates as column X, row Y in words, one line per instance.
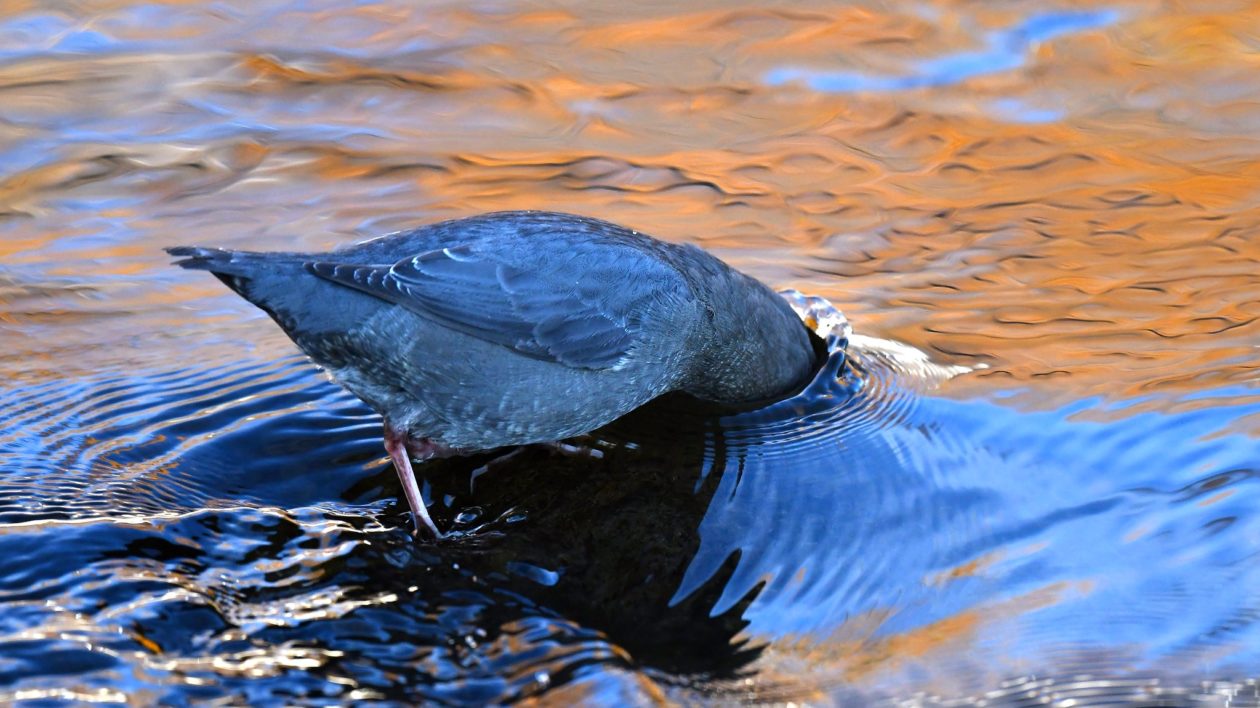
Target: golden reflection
column 808, row 669
column 1084, row 218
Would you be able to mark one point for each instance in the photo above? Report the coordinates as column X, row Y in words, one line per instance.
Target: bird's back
column 494, row 330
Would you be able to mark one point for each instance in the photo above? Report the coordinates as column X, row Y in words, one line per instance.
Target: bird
column 511, row 328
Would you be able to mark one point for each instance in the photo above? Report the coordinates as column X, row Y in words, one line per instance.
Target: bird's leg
column 562, row 448
column 396, row 446
column 492, row 464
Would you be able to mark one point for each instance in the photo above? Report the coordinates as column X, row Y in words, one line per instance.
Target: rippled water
column 1059, row 203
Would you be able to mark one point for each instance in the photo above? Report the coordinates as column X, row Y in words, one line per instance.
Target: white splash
column 825, row 319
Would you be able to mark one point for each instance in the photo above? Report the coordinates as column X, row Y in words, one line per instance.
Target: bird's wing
column 583, row 308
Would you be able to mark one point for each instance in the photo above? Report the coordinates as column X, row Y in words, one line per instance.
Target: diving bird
column 519, row 327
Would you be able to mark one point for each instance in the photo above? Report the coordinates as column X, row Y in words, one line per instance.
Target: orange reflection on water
column 1108, row 245
column 809, row 669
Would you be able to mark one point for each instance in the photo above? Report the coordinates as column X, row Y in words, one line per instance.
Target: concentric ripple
column 169, row 442
column 232, row 532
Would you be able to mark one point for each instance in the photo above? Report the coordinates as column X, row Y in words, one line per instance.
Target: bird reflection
column 608, row 532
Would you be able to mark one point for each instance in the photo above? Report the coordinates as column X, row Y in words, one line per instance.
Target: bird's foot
column 565, row 449
column 570, row 450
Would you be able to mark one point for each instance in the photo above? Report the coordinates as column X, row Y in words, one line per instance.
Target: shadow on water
column 831, row 544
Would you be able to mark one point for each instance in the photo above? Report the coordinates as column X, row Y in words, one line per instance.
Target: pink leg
column 396, row 446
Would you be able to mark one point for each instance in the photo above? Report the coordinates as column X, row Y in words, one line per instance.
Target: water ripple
column 236, row 525
column 1064, row 195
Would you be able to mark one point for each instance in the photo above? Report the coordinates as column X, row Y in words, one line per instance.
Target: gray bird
column 519, row 327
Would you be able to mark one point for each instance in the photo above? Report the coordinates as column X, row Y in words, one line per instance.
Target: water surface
column 1059, row 200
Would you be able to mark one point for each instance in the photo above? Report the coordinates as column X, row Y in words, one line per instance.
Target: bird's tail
column 224, row 262
column 260, row 278
column 278, row 283
column 198, row 258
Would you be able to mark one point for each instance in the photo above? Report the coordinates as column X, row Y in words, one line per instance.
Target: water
column 1056, row 203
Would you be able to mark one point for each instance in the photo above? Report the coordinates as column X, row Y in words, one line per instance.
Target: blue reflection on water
column 1080, row 523
column 860, row 498
column 1018, row 111
column 1004, row 50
